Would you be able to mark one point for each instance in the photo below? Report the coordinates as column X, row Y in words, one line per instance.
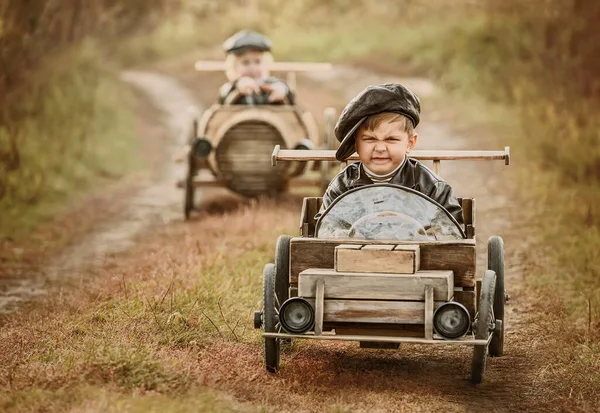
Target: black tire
column 484, row 323
column 282, row 268
column 188, row 204
column 496, row 264
column 270, row 321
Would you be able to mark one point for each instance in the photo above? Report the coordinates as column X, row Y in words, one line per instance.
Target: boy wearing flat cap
column 246, row 67
column 379, row 125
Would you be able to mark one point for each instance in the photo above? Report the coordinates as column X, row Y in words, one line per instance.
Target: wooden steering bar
column 424, row 155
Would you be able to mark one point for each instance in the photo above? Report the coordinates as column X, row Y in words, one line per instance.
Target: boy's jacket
column 412, row 174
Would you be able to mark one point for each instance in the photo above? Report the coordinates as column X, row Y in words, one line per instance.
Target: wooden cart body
column 384, row 292
column 362, row 309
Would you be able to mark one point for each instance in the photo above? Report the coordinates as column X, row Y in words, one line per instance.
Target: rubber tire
column 272, row 345
column 484, row 319
column 189, row 189
column 282, row 268
column 496, row 264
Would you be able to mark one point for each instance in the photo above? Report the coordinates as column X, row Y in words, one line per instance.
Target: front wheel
column 496, row 264
column 270, row 319
column 483, row 325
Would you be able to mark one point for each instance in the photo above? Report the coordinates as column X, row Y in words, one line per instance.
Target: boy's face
column 382, row 149
column 251, row 64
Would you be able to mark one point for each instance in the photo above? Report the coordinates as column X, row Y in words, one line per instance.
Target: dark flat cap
column 389, row 97
column 246, row 40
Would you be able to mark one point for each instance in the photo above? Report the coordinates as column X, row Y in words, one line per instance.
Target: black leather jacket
column 412, row 174
column 260, row 99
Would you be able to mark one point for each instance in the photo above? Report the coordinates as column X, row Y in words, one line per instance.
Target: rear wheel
column 189, row 188
column 282, row 268
column 270, row 319
column 484, row 324
column 496, row 264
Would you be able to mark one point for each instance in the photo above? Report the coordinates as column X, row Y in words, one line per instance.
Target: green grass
column 76, row 130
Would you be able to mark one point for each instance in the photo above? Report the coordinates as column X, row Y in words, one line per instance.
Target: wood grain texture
column 456, row 256
column 382, row 312
column 319, row 306
column 421, row 155
column 373, row 286
column 377, row 258
column 429, row 312
column 466, row 298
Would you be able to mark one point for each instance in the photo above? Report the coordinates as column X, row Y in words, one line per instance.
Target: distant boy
column 246, row 67
column 379, row 125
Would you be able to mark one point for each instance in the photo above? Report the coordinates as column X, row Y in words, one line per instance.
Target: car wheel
column 484, row 324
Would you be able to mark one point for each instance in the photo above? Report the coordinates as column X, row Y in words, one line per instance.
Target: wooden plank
column 311, row 211
column 373, row 286
column 460, row 258
column 346, row 248
column 457, row 256
column 429, row 311
column 465, row 341
column 422, row 155
column 303, row 218
column 369, row 311
column 319, row 306
column 219, row 65
column 466, row 298
column 392, row 259
column 467, row 209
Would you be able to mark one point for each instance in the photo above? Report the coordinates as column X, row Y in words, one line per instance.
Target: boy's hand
column 247, row 86
column 277, row 91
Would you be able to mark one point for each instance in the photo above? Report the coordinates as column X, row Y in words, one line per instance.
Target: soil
column 320, row 375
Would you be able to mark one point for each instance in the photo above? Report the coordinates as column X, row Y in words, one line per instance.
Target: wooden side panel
column 372, row 286
column 311, row 212
column 460, row 258
column 392, row 259
column 456, row 257
column 364, row 311
column 466, row 298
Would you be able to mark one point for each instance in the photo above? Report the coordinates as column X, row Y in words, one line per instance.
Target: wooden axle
column 424, row 155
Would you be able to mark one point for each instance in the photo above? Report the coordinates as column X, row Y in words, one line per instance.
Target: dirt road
column 314, row 376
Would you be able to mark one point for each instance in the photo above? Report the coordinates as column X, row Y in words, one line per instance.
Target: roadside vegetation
column 534, row 64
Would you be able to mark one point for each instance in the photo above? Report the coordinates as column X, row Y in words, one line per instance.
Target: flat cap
column 389, row 97
column 246, row 40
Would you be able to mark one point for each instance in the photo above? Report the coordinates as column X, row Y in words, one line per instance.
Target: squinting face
column 251, row 64
column 382, row 149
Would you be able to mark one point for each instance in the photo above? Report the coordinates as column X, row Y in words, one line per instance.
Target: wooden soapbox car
column 384, row 265
column 233, row 141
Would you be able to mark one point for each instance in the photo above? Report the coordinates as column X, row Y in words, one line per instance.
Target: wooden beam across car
column 218, row 65
column 422, row 155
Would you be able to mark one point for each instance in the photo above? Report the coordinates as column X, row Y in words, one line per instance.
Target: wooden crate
column 390, row 259
column 374, row 286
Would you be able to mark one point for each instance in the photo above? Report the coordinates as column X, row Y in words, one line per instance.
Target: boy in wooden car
column 379, row 125
column 248, row 58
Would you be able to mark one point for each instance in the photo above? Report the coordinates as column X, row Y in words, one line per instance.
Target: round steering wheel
column 253, row 99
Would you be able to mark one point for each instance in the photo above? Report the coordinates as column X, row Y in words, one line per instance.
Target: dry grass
column 136, row 327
